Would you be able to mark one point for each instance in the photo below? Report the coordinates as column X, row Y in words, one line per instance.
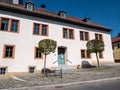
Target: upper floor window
column 4, row 24
column 62, row 14
column 9, row 51
column 36, row 29
column 65, row 35
column 9, row 25
column 68, row 33
column 14, row 27
column 85, row 54
column 29, row 5
column 44, row 30
column 118, row 45
column 38, row 54
column 40, row 29
column 98, row 36
column 71, row 34
column 84, row 36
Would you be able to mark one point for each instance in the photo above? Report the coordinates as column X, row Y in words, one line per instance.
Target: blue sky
column 105, row 12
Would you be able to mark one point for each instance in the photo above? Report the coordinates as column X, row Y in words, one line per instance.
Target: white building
column 23, row 26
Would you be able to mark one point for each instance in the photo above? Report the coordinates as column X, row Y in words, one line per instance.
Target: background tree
column 46, row 46
column 95, row 46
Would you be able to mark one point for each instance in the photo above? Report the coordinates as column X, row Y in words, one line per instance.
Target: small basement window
column 3, row 70
column 31, row 69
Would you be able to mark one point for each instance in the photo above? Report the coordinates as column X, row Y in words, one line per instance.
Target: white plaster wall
column 25, row 42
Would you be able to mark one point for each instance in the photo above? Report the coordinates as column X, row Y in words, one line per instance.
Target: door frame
column 64, row 49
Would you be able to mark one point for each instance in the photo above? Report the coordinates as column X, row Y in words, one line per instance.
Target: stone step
column 64, row 67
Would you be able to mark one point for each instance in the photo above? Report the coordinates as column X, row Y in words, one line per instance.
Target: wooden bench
column 48, row 71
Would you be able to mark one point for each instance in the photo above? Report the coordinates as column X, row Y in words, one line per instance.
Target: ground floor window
column 9, row 51
column 101, row 55
column 85, row 54
column 2, row 71
column 32, row 69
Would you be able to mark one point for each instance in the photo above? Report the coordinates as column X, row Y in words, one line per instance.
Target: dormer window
column 62, row 14
column 87, row 20
column 29, row 6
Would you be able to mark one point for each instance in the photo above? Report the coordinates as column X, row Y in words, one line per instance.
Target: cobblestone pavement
column 87, row 74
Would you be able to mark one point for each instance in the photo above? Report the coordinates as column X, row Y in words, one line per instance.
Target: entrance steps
column 64, row 67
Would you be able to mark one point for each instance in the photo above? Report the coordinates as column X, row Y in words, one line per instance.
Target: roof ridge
column 50, row 14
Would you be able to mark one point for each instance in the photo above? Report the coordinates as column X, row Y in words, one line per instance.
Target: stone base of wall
column 102, row 62
column 10, row 74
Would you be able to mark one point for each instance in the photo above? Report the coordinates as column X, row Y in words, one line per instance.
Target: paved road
column 102, row 85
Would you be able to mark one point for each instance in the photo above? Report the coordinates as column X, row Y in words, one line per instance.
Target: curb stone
column 65, row 84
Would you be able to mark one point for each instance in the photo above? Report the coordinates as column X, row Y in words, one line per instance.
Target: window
column 84, row 36
column 71, row 34
column 81, row 35
column 118, row 45
column 85, row 54
column 68, row 33
column 31, row 69
column 36, row 29
column 44, row 29
column 62, row 14
column 9, row 51
column 65, row 35
column 98, row 36
column 112, row 46
column 40, row 29
column 2, row 70
column 101, row 55
column 14, row 27
column 38, row 54
column 5, row 24
column 9, row 25
column 29, row 5
column 82, row 53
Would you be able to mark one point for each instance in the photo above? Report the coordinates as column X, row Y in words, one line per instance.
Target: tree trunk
column 97, row 60
column 45, row 64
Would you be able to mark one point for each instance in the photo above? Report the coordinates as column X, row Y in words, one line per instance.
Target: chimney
column 43, row 6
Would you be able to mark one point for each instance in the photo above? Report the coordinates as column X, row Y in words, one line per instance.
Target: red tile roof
column 55, row 15
column 116, row 39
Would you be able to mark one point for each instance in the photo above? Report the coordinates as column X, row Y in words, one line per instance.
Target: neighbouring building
column 116, row 47
column 23, row 26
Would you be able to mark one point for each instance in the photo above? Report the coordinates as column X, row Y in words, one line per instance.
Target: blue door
column 61, row 57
